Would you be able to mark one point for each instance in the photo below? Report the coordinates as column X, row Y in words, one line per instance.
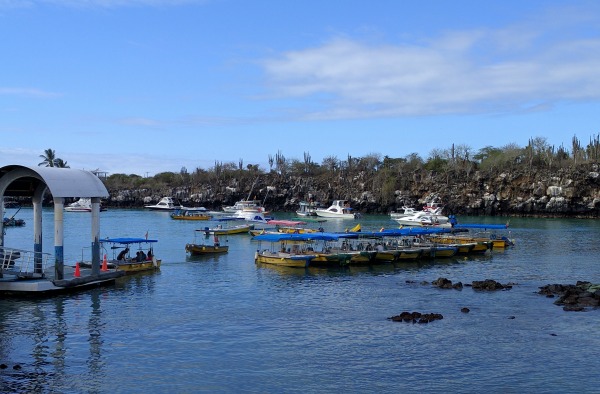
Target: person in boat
column 123, row 253
column 216, row 240
column 150, row 254
column 141, row 256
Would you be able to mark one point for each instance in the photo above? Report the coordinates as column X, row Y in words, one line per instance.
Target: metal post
column 59, row 267
column 38, row 196
column 2, row 219
column 95, row 235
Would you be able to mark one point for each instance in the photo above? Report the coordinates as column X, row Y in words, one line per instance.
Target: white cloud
column 459, row 72
column 27, row 92
column 113, row 3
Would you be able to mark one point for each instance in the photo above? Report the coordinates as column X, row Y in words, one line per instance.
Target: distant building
column 100, row 174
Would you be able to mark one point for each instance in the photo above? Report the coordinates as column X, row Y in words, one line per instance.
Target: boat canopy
column 127, row 241
column 285, row 222
column 399, row 232
column 271, row 237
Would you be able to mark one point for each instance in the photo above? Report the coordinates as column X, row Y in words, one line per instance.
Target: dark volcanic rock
column 416, row 317
column 489, row 285
column 573, row 297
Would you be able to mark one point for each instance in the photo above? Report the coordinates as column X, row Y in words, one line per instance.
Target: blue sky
column 145, row 86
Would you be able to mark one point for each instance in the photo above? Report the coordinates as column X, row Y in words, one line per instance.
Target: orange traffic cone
column 77, row 274
column 104, row 264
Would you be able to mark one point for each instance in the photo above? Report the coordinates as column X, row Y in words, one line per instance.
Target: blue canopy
column 228, row 218
column 399, row 232
column 296, row 237
column 127, row 241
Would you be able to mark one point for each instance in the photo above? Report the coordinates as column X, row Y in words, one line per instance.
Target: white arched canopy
column 25, row 181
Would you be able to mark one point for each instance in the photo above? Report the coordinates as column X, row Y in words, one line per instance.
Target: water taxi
column 190, row 215
column 122, row 259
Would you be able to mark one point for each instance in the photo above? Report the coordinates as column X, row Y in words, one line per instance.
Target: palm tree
column 60, row 163
column 50, row 160
column 49, row 157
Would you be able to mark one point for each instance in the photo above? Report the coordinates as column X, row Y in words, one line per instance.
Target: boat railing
column 24, row 263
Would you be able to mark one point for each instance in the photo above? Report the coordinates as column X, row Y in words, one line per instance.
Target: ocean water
column 224, row 324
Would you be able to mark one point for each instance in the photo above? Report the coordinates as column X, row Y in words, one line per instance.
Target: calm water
column 223, row 324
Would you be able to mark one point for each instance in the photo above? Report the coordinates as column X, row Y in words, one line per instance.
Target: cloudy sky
column 145, row 86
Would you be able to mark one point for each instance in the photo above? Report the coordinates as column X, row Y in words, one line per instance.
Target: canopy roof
column 297, row 237
column 22, row 181
column 127, row 241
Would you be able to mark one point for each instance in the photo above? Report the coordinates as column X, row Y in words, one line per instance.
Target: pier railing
column 24, row 263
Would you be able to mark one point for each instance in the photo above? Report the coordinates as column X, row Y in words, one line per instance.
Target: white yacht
column 338, row 209
column 244, row 205
column 166, row 204
column 423, row 218
column 308, row 208
column 82, row 205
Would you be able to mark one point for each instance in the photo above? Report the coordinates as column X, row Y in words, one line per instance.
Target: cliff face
column 565, row 193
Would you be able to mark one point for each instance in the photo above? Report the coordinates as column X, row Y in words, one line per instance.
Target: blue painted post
column 59, row 262
column 95, row 236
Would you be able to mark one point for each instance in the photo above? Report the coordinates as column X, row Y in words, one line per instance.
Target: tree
column 60, row 163
column 49, row 157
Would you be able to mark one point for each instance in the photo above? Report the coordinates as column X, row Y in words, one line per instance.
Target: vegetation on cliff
column 537, row 179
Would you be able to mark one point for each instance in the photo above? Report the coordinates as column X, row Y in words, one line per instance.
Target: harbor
column 223, row 321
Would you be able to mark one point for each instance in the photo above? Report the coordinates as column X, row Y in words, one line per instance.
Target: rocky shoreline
column 564, row 193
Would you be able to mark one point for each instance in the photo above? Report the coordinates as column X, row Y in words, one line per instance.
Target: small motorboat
column 122, row 259
column 82, row 205
column 290, row 250
column 190, row 215
column 423, row 218
column 166, row 204
column 338, row 209
column 204, row 248
column 227, row 230
column 308, row 208
column 247, row 205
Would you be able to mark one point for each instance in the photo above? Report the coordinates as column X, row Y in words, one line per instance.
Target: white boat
column 247, row 205
column 166, row 204
column 251, row 216
column 82, row 205
column 423, row 218
column 404, row 212
column 308, row 208
column 338, row 209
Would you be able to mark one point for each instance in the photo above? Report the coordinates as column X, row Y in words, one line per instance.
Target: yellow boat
column 290, row 250
column 283, row 259
column 190, row 215
column 240, row 229
column 479, row 245
column 201, row 250
column 438, row 251
column 125, row 262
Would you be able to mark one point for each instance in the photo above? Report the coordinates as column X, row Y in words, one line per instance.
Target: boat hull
column 284, row 259
column 131, row 267
column 229, row 231
column 327, row 214
column 200, row 250
column 191, row 217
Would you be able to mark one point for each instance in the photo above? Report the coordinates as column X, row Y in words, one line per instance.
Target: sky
column 147, row 86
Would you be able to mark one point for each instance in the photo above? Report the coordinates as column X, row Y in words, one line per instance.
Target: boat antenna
column 13, row 216
column 251, row 189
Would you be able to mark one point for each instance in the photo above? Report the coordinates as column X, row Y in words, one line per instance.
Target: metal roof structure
column 22, row 181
